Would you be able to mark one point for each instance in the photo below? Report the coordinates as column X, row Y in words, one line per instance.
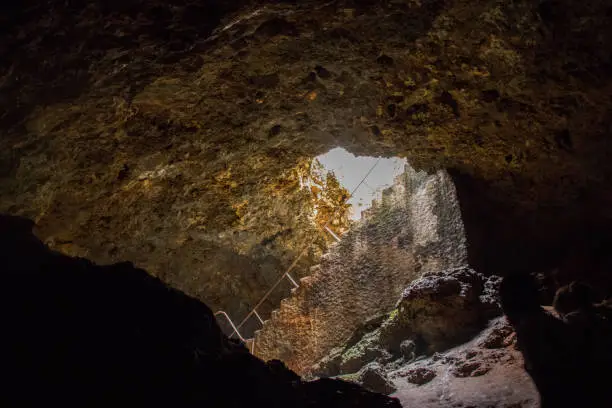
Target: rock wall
column 157, row 132
column 436, row 312
column 414, row 228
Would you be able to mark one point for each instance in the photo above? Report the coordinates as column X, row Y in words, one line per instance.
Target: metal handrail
column 286, row 274
column 334, row 236
column 258, row 317
column 263, row 299
column 221, row 312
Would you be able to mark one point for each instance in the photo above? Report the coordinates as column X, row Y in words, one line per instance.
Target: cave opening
column 391, row 224
column 363, row 176
column 336, row 190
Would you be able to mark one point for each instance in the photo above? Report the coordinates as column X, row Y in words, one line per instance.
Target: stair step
column 305, row 280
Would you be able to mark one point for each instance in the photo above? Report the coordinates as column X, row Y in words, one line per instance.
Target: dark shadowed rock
column 329, row 366
column 337, row 393
column 79, row 334
column 572, row 298
column 276, row 26
column 565, row 355
column 407, row 349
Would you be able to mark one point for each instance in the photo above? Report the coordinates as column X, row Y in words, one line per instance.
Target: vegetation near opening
column 330, row 199
column 332, row 208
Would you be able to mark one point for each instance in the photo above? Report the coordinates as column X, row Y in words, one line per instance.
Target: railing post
column 332, row 233
column 221, row 312
column 294, row 263
column 258, row 316
column 292, row 281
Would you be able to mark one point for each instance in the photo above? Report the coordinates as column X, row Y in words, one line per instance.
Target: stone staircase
column 414, row 228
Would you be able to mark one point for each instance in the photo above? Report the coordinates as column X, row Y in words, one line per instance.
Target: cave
column 183, row 137
column 363, row 177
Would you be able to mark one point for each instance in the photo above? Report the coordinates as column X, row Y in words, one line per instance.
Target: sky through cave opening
column 365, row 176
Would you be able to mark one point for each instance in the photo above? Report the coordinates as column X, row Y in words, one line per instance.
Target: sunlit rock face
column 414, row 228
column 145, row 131
column 431, row 217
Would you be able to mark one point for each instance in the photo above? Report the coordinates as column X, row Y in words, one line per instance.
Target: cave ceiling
column 168, row 133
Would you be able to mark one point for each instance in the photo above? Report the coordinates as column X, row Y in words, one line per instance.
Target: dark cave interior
column 172, row 135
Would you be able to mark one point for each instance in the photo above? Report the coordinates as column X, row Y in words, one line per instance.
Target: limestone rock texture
column 414, row 229
column 436, row 312
column 443, row 308
column 166, row 133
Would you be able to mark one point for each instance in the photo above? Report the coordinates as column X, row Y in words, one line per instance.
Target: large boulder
column 441, row 309
column 437, row 311
column 468, row 375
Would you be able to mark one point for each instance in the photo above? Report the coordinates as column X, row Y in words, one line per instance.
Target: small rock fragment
column 496, row 337
column 407, row 348
column 420, row 376
column 322, row 72
column 470, row 369
column 373, row 378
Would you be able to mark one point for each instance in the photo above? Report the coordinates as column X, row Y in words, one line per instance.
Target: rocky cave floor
column 485, row 372
column 443, row 347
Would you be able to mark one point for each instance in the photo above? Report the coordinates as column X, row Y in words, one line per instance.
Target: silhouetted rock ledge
column 79, row 334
